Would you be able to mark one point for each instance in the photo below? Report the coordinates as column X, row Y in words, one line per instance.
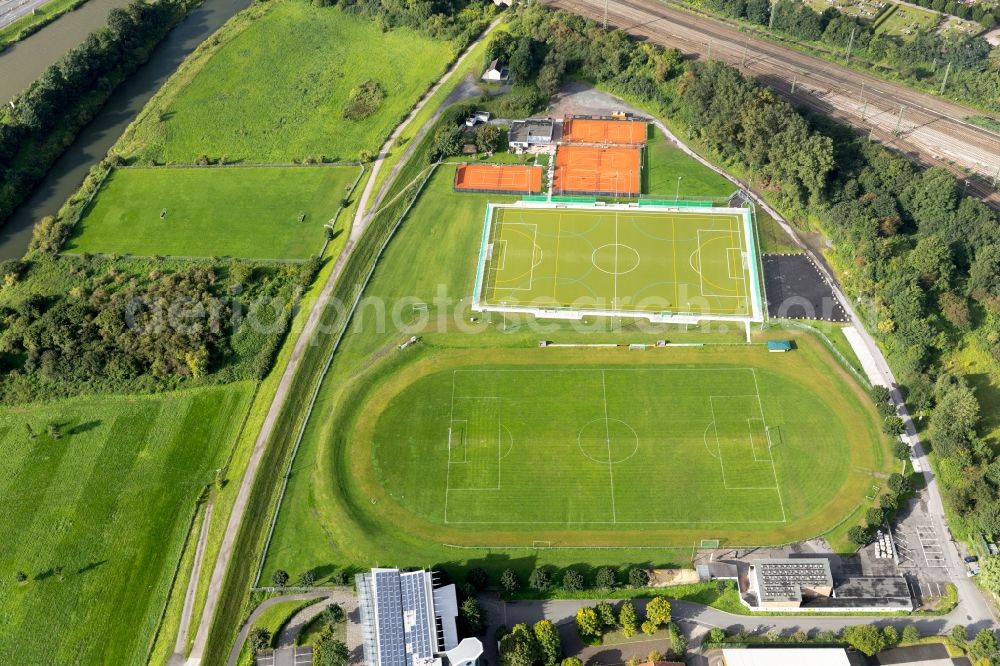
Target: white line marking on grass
column 607, row 431
column 451, row 419
column 774, row 471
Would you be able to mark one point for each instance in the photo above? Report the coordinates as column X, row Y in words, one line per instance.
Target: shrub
column 898, row 483
column 509, row 580
column 900, row 450
column 587, row 623
column 910, row 634
column 572, row 580
column 716, row 635
column 606, row 578
column 307, row 579
column 478, row 578
column 606, row 614
column 280, row 578
column 260, row 638
column 858, row 535
column 540, row 580
column 638, row 577
column 364, row 100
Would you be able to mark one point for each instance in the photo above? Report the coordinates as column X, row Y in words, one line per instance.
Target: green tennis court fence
column 675, row 203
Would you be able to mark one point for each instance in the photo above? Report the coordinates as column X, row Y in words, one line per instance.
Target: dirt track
column 932, row 130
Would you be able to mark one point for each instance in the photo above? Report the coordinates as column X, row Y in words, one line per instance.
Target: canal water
column 95, row 139
column 24, row 61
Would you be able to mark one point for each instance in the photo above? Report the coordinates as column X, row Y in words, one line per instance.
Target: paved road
column 694, row 621
column 11, row 10
column 192, row 588
column 305, row 338
column 932, row 130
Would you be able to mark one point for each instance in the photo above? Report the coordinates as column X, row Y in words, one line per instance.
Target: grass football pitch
column 589, row 446
column 97, row 518
column 630, row 260
column 249, row 213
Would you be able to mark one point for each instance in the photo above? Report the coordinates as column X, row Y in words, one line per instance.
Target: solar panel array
column 414, row 594
column 402, row 618
column 391, row 636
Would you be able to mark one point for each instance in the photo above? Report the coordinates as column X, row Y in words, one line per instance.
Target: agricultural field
column 380, row 456
column 97, row 514
column 241, row 102
column 251, row 213
column 665, row 162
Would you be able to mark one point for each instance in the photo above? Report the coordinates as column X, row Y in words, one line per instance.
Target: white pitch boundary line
column 774, row 471
column 607, row 435
column 534, row 244
column 451, row 419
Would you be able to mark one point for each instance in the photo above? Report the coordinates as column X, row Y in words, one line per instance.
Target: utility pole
column 864, row 104
column 605, row 14
column 871, row 133
column 770, row 16
column 947, row 71
column 710, row 48
column 795, row 80
column 996, row 176
column 899, row 120
column 746, row 50
column 850, row 44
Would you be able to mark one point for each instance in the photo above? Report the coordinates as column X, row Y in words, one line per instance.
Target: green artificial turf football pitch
column 663, row 262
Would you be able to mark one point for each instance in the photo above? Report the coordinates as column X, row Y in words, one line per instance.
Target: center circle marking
column 607, row 441
column 615, row 258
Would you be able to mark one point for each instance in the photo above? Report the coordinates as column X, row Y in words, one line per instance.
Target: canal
column 95, row 139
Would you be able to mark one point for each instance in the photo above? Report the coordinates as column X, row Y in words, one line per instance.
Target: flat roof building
column 785, row 657
column 783, row 583
column 406, row 621
column 532, row 132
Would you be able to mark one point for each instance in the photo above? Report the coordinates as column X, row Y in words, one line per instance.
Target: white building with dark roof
column 407, row 621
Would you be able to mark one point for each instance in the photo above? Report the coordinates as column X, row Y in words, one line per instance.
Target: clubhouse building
column 407, row 620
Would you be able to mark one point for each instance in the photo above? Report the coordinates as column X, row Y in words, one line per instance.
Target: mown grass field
column 339, row 510
column 569, row 447
column 665, row 162
column 905, row 20
column 233, row 211
column 242, row 101
column 97, row 518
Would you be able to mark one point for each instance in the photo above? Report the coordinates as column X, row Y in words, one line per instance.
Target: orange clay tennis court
column 588, row 170
column 607, row 132
column 498, row 178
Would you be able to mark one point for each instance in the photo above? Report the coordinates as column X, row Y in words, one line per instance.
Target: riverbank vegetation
column 40, row 123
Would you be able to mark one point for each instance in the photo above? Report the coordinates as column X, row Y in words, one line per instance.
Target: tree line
column 41, row 122
column 460, row 21
column 921, row 58
column 70, row 325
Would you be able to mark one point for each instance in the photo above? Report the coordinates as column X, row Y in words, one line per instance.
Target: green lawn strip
column 321, row 526
column 272, row 619
column 251, row 213
column 666, row 163
column 246, row 105
column 906, row 20
column 33, row 22
column 773, row 239
column 102, row 514
column 166, row 635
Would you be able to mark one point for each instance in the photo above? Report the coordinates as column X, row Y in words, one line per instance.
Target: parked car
column 971, row 558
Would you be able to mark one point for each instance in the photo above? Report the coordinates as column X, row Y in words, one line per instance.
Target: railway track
column 930, row 130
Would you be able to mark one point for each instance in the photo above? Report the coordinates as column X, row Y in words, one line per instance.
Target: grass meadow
column 345, row 500
column 97, row 518
column 240, row 101
column 666, row 162
column 250, row 213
